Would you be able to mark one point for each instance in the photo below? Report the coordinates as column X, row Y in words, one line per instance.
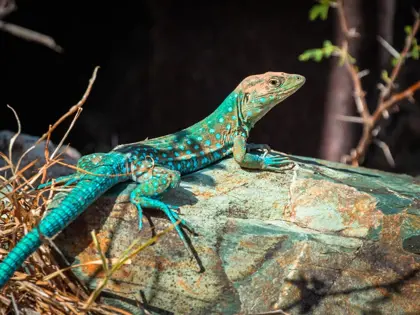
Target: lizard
column 157, row 164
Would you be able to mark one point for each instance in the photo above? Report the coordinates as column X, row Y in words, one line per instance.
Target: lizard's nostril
column 300, row 78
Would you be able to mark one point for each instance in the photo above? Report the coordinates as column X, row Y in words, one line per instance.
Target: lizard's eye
column 275, row 82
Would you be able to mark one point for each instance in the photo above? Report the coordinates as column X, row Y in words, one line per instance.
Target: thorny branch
column 359, row 94
column 386, row 100
column 396, row 70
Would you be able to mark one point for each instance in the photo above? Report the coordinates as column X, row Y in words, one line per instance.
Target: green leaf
column 329, row 48
column 408, row 29
column 318, row 55
column 415, row 50
column 315, row 54
column 352, row 60
column 385, row 76
column 319, row 11
column 415, row 53
column 341, row 59
column 305, row 56
column 394, row 61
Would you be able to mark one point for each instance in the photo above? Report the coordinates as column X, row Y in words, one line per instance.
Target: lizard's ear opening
column 246, row 97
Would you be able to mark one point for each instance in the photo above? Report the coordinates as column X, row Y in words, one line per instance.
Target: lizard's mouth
column 280, row 96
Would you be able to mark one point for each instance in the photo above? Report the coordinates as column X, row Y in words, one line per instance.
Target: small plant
column 388, row 99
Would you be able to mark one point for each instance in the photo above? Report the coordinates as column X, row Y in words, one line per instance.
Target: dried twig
column 275, row 312
column 12, row 141
column 130, row 252
column 73, row 108
column 60, row 144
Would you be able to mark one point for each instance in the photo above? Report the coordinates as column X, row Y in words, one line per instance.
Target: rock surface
column 322, row 238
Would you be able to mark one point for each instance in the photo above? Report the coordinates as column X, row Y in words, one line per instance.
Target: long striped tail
column 86, row 191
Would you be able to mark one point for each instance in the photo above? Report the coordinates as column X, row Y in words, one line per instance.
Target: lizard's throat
column 251, row 115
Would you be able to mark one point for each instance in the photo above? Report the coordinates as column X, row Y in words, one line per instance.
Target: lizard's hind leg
column 150, row 188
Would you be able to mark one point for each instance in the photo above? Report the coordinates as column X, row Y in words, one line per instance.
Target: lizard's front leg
column 254, row 161
column 151, row 187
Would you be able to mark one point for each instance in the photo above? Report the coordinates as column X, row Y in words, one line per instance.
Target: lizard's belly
column 189, row 163
column 186, row 157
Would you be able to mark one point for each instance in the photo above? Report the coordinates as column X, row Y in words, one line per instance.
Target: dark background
column 167, row 64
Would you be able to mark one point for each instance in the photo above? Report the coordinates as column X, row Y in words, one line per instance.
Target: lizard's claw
column 174, row 210
column 172, row 207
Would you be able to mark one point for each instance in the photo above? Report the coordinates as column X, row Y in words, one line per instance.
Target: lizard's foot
column 171, row 210
column 150, row 189
column 277, row 163
column 146, row 202
column 175, row 214
column 140, row 214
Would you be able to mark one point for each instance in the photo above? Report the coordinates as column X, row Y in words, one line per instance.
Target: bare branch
column 359, row 94
column 30, row 35
column 392, row 51
column 349, row 33
column 396, row 98
column 363, row 73
column 7, row 7
column 386, row 150
column 377, row 115
column 352, row 119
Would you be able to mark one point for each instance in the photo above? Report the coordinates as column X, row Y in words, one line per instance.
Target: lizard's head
column 260, row 93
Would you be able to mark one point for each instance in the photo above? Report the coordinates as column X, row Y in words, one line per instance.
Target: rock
column 322, row 238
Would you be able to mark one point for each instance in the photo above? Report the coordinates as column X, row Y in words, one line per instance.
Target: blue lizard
column 157, row 164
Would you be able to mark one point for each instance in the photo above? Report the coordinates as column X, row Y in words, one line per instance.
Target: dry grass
column 41, row 285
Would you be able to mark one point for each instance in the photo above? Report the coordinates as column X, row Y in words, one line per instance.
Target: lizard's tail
column 86, row 191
